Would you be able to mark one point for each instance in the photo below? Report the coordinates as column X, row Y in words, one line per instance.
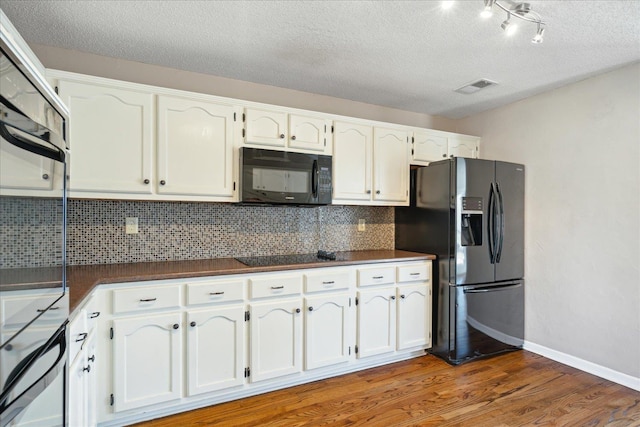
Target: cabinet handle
column 393, row 297
column 414, row 274
column 88, row 368
column 92, row 358
column 193, row 324
column 444, row 155
column 216, row 293
column 377, row 277
column 148, row 299
column 176, row 326
column 293, row 137
column 81, row 337
column 297, row 310
column 42, row 310
column 282, row 136
column 163, row 182
column 329, row 283
column 310, row 308
column 146, row 181
column 277, row 287
column 45, row 176
column 402, row 296
column 94, row 315
column 378, row 192
column 368, row 191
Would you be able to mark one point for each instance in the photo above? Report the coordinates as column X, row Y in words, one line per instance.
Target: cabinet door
column 266, row 128
column 78, row 411
column 276, row 339
column 147, row 360
column 214, row 349
column 376, row 321
column 352, row 150
column 326, row 329
column 307, row 133
column 26, row 171
column 428, row 147
column 110, row 136
column 90, row 396
column 390, row 165
column 414, row 316
column 463, row 146
column 195, row 148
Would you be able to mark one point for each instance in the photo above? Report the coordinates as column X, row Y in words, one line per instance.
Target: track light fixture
column 519, row 10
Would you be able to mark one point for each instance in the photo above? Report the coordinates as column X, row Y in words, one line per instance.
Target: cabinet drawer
column 376, row 276
column 91, row 313
column 326, row 281
column 147, row 298
column 262, row 287
column 17, row 311
column 77, row 334
column 215, row 291
column 413, row 273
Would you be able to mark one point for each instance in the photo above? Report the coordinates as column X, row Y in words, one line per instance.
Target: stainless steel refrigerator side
column 510, row 187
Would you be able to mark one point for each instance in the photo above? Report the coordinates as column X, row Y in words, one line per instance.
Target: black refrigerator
column 470, row 214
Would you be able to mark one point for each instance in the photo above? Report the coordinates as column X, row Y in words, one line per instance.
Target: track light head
column 539, row 37
column 487, row 12
column 509, row 27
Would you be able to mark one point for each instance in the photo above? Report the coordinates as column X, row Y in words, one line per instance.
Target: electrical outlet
column 131, row 225
column 362, row 226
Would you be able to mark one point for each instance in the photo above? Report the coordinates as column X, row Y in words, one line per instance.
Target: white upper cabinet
column 280, row 130
column 195, row 147
column 266, row 128
column 352, row 157
column 111, row 138
column 390, row 165
column 431, row 146
column 370, row 165
column 22, row 171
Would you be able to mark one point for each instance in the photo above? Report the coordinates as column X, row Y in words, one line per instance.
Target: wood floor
column 515, row 389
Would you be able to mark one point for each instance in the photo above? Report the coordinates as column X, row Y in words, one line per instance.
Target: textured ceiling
column 409, row 55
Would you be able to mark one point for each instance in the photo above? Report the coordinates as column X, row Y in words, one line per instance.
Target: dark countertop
column 81, row 280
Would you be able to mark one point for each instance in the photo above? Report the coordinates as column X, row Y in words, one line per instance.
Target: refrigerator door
column 510, row 236
column 470, row 188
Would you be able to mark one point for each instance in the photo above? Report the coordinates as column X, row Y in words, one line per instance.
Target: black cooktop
column 271, row 260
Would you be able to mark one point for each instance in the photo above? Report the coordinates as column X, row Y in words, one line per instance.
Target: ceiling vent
column 473, row 87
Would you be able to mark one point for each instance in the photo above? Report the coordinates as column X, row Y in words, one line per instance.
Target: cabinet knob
column 146, row 181
column 402, row 296
column 163, row 182
column 368, row 191
column 378, row 192
column 282, row 136
column 92, row 358
column 444, row 155
column 193, row 324
column 310, row 308
column 45, row 176
column 393, row 297
column 297, row 310
column 176, row 326
column 88, row 368
column 293, row 137
column 451, row 156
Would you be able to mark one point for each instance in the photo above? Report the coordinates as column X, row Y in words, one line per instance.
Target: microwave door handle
column 314, row 179
column 19, row 141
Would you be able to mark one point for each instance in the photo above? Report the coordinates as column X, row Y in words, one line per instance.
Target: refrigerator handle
column 501, row 222
column 491, row 224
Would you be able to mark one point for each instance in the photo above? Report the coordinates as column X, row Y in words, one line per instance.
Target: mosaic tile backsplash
column 184, row 231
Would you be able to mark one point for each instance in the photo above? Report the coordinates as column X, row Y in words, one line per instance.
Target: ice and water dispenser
column 471, row 221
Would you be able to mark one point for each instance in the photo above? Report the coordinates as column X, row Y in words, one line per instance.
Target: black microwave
column 281, row 177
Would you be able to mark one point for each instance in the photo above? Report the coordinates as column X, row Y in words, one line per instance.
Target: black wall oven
column 280, row 177
column 33, row 301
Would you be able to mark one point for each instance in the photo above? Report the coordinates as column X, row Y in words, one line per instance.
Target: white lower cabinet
column 376, row 322
column 147, row 360
column 82, row 386
column 326, row 330
column 276, row 339
column 414, row 316
column 215, row 349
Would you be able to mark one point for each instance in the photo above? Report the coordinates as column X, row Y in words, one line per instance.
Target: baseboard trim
column 584, row 365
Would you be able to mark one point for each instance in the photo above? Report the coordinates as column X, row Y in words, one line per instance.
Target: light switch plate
column 131, row 225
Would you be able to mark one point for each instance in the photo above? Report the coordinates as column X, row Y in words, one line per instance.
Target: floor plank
column 514, row 389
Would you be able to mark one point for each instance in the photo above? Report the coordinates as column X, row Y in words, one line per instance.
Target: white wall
column 580, row 145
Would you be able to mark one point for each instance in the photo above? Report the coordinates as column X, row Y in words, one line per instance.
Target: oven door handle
column 10, row 409
column 492, row 289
